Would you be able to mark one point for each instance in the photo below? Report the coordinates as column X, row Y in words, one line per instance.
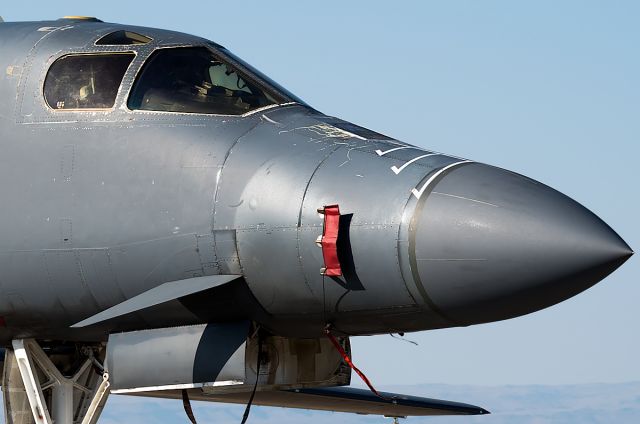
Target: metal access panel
column 177, row 357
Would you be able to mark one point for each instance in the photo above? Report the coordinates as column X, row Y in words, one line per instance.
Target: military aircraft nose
column 487, row 244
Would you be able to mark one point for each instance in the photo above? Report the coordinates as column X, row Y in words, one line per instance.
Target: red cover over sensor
column 329, row 241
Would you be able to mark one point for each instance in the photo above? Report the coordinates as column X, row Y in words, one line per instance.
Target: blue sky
column 547, row 89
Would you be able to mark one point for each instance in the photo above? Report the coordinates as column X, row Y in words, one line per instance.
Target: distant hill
column 538, row 404
column 532, row 404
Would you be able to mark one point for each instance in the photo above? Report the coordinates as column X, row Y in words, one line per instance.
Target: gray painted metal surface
column 177, row 356
column 340, row 399
column 460, row 236
column 164, row 293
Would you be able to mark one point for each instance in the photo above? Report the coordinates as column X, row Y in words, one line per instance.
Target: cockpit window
column 85, row 81
column 195, row 80
column 260, row 76
column 123, row 38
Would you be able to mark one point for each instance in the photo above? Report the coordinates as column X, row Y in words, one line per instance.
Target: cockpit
column 189, row 79
column 195, row 80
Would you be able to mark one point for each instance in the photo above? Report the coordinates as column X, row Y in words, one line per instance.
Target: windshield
column 231, row 57
column 196, row 80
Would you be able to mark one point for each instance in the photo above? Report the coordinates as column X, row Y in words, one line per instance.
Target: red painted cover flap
column 330, row 240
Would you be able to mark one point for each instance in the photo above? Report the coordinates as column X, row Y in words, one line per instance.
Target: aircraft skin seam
column 431, row 182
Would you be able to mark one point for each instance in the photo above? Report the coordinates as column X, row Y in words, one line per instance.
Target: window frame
column 119, row 92
column 246, row 73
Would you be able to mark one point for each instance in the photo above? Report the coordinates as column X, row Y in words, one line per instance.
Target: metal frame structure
column 76, row 399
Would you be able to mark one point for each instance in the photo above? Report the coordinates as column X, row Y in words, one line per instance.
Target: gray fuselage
column 101, row 205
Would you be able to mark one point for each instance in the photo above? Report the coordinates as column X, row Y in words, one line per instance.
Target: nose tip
column 489, row 244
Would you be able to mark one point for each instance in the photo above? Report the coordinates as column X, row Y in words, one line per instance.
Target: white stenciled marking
column 399, row 170
column 381, row 153
column 328, row 131
column 419, row 192
column 266, row 118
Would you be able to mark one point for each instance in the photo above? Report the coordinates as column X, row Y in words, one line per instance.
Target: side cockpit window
column 85, row 81
column 195, row 80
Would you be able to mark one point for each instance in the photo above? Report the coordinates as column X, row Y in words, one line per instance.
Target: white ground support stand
column 35, row 391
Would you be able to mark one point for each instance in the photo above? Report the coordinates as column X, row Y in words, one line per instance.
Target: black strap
column 187, row 406
column 245, row 416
